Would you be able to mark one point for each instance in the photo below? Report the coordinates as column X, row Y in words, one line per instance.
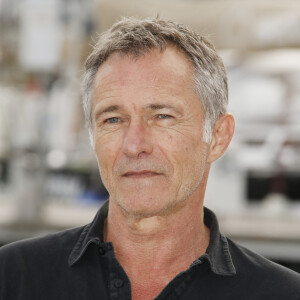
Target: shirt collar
column 217, row 253
column 92, row 233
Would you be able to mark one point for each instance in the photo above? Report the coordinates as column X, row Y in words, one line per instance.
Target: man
column 155, row 103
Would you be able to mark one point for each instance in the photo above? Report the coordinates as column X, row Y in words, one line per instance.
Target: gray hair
column 135, row 37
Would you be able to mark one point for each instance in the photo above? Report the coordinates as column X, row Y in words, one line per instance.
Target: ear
column 222, row 135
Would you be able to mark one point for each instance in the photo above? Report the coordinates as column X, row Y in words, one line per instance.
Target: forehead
column 156, row 67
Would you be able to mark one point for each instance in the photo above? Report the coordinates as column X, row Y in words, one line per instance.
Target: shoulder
column 27, row 267
column 263, row 273
column 39, row 247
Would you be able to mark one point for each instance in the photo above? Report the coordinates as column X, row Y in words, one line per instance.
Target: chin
column 146, row 207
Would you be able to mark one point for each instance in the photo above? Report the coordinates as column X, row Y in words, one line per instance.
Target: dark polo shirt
column 77, row 264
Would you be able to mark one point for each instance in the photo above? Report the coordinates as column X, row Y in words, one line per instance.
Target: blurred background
column 48, row 175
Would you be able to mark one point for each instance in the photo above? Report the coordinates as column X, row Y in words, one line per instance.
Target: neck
column 183, row 230
column 154, row 250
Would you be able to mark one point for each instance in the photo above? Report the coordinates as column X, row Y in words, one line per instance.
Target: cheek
column 189, row 154
column 106, row 150
column 182, row 145
column 177, row 149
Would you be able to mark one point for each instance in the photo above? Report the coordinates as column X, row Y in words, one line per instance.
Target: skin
column 147, row 126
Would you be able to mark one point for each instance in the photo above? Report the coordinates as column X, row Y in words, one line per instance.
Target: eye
column 113, row 120
column 164, row 116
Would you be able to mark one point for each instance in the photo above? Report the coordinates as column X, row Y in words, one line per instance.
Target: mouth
column 141, row 174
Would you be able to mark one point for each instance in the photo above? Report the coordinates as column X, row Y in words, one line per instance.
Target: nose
column 137, row 139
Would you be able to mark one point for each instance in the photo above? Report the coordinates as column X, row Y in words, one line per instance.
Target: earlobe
column 222, row 135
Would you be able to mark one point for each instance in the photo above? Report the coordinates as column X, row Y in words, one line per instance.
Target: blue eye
column 164, row 116
column 112, row 120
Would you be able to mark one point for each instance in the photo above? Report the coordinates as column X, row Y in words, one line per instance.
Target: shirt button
column 101, row 250
column 118, row 283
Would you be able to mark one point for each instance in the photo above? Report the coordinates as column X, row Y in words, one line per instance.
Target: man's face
column 147, row 126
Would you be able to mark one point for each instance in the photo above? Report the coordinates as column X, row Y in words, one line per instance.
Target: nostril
column 137, row 149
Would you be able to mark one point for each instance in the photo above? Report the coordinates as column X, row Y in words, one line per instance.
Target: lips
column 141, row 174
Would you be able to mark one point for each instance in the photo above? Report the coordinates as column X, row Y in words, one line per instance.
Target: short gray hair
column 138, row 36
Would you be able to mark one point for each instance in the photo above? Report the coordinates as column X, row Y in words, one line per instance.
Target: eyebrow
column 107, row 109
column 113, row 108
column 161, row 106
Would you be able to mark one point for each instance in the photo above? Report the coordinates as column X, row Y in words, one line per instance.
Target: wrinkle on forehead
column 121, row 70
